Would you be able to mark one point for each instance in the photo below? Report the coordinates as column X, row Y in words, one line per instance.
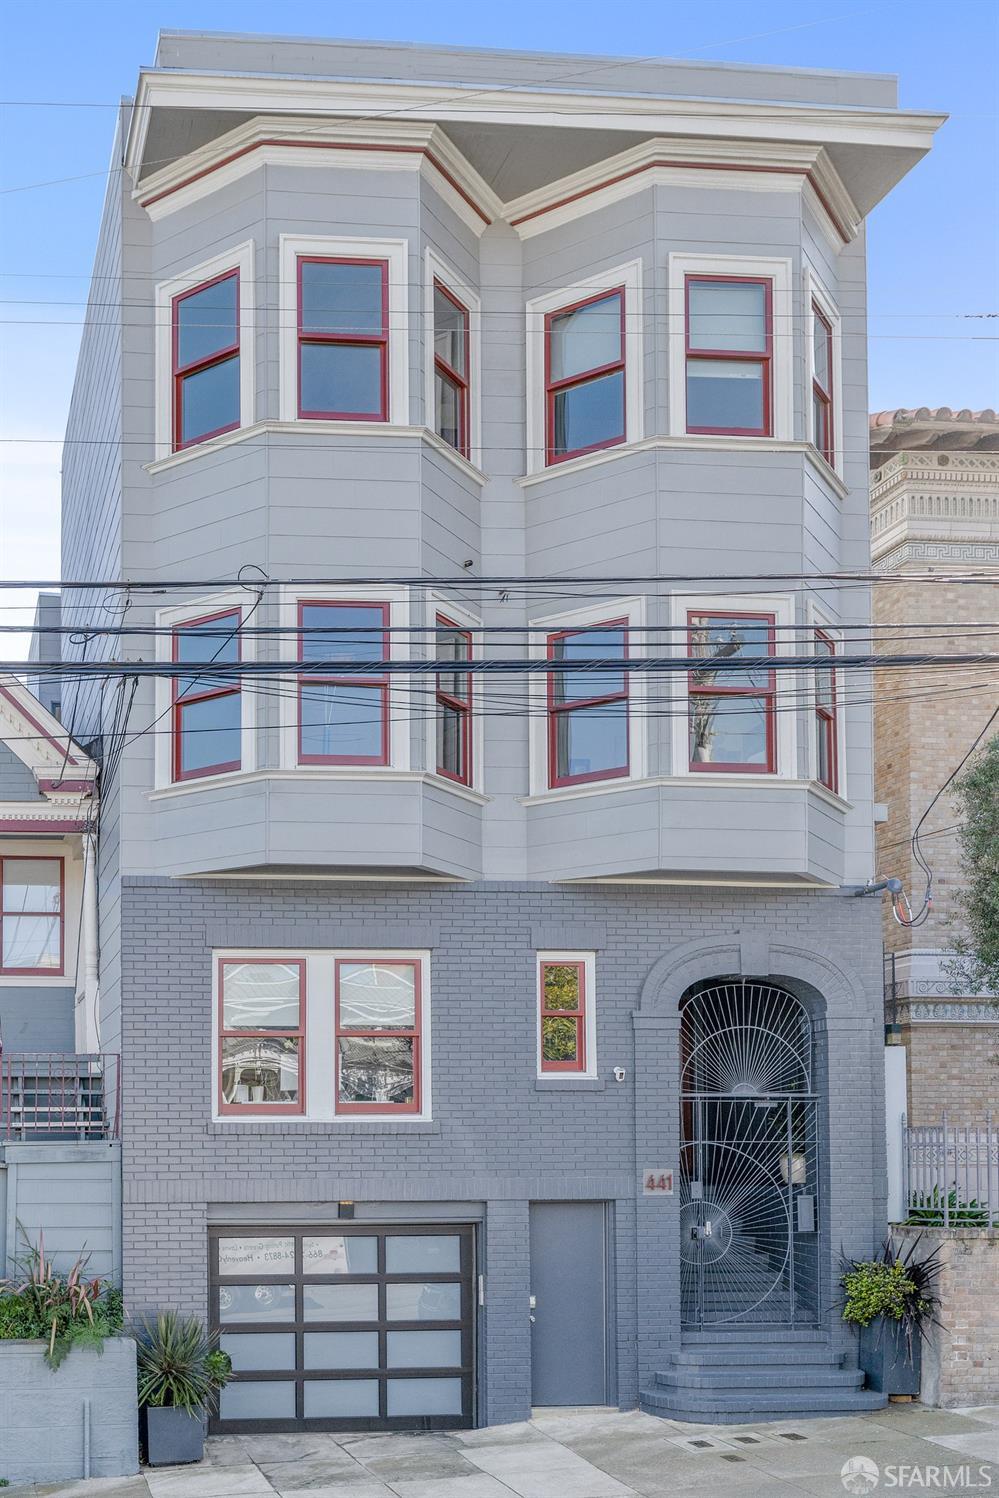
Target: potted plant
column 892, row 1301
column 180, row 1376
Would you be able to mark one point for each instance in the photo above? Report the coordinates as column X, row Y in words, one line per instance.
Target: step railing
column 951, row 1174
column 48, row 1096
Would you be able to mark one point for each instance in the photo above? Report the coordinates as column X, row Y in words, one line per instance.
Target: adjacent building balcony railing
column 951, row 1174
column 52, row 1096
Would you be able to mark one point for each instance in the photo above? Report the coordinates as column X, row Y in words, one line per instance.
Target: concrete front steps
column 742, row 1375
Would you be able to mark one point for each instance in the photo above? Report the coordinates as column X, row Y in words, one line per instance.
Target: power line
column 469, row 580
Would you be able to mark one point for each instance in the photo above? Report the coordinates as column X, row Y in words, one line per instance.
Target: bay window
column 588, row 730
column 562, row 1015
column 454, row 704
column 205, row 360
column 729, row 347
column 32, row 908
column 585, row 376
column 731, row 713
column 822, row 384
column 378, row 1036
column 342, row 720
column 452, row 356
column 261, row 1036
column 826, row 749
column 206, row 705
column 343, row 336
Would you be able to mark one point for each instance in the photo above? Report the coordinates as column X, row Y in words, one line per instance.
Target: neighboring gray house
column 59, row 1152
column 485, row 1043
column 46, row 650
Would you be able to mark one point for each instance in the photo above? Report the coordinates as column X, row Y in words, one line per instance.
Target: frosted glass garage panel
column 256, row 1303
column 337, row 1253
column 260, row 1352
column 340, row 1398
column 248, row 1256
column 427, row 1302
column 263, row 1400
column 430, row 1253
column 340, row 1302
column 336, row 1350
column 424, row 1396
column 423, row 1349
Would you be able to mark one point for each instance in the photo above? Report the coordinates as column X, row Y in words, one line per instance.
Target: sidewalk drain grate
column 791, row 1435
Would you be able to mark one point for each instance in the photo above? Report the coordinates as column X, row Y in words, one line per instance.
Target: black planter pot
column 173, row 1436
column 884, row 1357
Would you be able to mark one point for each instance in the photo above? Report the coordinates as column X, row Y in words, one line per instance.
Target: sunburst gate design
column 749, row 1160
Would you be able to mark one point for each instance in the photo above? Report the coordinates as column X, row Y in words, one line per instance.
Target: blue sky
column 934, row 244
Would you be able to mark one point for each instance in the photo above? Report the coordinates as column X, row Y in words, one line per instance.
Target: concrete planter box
column 79, row 1421
column 884, row 1357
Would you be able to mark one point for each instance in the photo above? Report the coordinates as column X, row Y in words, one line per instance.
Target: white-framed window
column 566, row 1014
column 827, row 739
column 585, row 389
column 734, row 723
column 731, row 346
column 206, row 720
column 455, row 728
column 344, row 723
column 344, row 329
column 824, row 359
column 321, row 1035
column 588, row 727
column 452, row 314
column 204, row 351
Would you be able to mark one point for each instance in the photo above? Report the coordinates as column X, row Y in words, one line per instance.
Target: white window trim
column 631, row 609
column 819, row 620
column 169, row 619
column 786, row 700
column 396, row 253
column 68, row 851
column 320, row 1036
column 630, row 277
column 240, row 258
column 438, row 604
column 439, row 270
column 816, row 292
column 589, row 961
column 778, row 271
column 400, row 685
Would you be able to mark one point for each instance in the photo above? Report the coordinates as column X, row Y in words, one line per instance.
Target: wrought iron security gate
column 748, row 1180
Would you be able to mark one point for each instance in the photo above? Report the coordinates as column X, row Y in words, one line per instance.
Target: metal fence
column 58, row 1096
column 951, row 1174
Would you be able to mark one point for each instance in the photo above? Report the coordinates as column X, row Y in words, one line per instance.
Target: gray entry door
column 569, row 1291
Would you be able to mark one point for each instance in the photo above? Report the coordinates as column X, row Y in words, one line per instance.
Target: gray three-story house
column 498, row 1039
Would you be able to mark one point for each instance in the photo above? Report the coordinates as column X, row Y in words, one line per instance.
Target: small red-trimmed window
column 822, row 384
column 342, row 720
column 451, row 369
column 207, row 704
column 454, row 703
column 261, row 1035
column 343, row 338
column 588, row 731
column 732, row 713
column 378, row 1035
column 562, row 1000
column 826, row 753
column 729, row 339
column 32, row 911
column 205, row 357
column 585, row 376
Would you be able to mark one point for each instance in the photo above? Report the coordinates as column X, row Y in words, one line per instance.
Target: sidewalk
column 589, row 1454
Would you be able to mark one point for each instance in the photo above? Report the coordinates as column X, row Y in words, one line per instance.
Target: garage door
column 345, row 1328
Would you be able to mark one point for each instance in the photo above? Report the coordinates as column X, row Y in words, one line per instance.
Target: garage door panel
column 369, row 1329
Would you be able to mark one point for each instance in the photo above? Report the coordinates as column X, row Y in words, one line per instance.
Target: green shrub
column 900, row 1287
column 66, row 1311
column 927, row 1210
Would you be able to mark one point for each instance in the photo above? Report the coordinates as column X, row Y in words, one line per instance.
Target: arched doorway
column 749, row 1158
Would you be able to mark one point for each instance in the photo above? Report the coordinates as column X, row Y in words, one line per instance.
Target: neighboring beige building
column 934, row 508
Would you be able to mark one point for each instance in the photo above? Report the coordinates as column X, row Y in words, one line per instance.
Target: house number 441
column 657, row 1183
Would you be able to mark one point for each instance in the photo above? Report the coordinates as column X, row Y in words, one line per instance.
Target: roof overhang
column 66, row 777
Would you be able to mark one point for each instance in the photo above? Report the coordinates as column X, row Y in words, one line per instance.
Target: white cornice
column 40, row 742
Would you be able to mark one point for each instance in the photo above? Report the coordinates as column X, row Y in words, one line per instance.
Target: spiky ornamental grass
column 178, row 1367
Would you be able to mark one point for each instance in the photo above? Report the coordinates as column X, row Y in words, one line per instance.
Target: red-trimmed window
column 585, row 376
column 588, row 731
column 342, row 339
column 451, row 369
column 378, row 1035
column 205, row 360
column 562, row 1004
column 822, row 384
column 32, row 915
column 342, row 720
column 261, row 1035
column 826, row 752
column 454, row 703
column 732, row 713
column 729, row 339
column 207, row 704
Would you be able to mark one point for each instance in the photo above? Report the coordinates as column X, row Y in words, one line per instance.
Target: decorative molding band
column 977, row 1012
column 964, row 554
